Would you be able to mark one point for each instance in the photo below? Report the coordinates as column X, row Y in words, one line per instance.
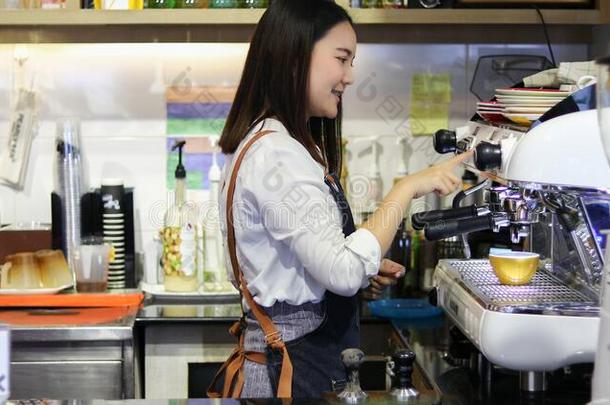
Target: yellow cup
column 514, row 268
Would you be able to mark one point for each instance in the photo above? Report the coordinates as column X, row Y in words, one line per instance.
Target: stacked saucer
column 522, row 106
column 114, row 230
column 525, row 105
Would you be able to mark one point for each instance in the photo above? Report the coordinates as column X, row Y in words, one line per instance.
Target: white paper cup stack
column 114, row 229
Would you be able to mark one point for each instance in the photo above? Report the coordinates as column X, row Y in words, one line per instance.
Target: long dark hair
column 275, row 75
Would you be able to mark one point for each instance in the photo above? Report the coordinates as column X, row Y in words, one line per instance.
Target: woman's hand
column 389, row 273
column 439, row 178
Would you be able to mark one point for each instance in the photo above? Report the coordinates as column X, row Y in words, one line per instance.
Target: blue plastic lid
column 404, row 308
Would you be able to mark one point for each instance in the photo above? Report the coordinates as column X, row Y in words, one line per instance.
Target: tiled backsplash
column 117, row 90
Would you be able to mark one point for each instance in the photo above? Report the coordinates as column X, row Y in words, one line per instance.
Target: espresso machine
column 550, row 188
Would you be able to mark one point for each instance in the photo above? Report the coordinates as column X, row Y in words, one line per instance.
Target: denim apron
column 309, row 364
column 316, row 356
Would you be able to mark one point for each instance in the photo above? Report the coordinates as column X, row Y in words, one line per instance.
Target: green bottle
column 190, row 3
column 256, row 3
column 226, row 4
column 161, row 3
column 372, row 4
column 411, row 281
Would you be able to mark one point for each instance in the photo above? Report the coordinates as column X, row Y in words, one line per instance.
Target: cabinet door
column 66, row 380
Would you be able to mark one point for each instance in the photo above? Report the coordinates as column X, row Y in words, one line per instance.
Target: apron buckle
column 273, row 338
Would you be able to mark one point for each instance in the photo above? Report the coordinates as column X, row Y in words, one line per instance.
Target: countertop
column 429, row 338
column 57, row 324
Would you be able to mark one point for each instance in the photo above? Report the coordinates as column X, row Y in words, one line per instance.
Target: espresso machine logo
column 110, row 203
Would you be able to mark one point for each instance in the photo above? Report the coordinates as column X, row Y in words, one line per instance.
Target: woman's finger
column 454, row 179
column 389, row 268
column 385, row 281
column 461, row 158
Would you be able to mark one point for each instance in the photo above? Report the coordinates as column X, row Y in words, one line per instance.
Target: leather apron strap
column 234, row 377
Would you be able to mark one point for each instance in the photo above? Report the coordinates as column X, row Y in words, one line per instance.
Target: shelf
column 251, row 16
column 130, row 17
column 237, row 25
column 478, row 16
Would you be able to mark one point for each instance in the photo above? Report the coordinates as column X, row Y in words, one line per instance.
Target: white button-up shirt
column 289, row 238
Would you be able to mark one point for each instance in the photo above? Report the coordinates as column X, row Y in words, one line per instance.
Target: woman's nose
column 348, row 77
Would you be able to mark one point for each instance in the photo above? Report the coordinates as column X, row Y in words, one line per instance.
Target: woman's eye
column 343, row 60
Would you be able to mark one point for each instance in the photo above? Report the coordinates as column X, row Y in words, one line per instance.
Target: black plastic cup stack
column 112, row 191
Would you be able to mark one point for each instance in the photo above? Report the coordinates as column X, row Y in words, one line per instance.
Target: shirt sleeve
column 297, row 209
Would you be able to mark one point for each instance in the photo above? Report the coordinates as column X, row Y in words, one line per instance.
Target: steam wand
column 456, row 204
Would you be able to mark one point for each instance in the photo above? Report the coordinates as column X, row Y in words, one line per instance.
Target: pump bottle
column 179, row 237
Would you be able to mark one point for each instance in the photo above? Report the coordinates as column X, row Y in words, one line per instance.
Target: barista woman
column 293, row 247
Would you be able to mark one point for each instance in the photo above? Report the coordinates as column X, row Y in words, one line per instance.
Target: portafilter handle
column 446, row 229
column 400, row 369
column 420, row 219
column 352, row 359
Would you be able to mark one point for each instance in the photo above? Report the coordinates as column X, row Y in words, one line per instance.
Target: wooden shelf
column 251, row 16
column 478, row 16
column 130, row 17
column 236, row 25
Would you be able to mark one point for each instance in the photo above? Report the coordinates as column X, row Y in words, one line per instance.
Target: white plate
column 528, row 104
column 488, row 105
column 159, row 291
column 526, row 110
column 33, row 291
column 533, row 92
column 503, row 99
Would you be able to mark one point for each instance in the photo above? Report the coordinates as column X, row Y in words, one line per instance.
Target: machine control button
column 444, row 141
column 488, row 156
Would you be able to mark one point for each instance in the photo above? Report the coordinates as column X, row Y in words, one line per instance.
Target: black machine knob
column 444, row 141
column 488, row 156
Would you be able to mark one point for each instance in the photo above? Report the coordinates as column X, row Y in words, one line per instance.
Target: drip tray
column 544, row 292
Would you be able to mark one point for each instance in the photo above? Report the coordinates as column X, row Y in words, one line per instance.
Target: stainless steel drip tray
column 545, row 294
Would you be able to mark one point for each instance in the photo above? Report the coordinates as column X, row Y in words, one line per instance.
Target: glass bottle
column 226, row 4
column 372, row 3
column 161, row 4
column 400, row 252
column 256, row 3
column 392, row 3
column 191, row 3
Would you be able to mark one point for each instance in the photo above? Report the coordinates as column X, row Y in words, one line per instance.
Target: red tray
column 73, row 300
